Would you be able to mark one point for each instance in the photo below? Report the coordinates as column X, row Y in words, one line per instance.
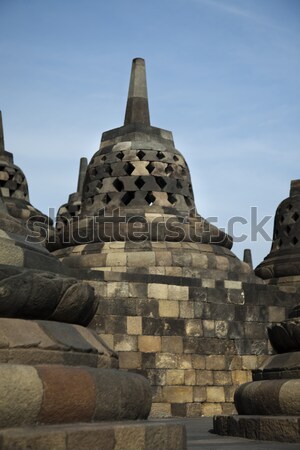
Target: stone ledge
column 267, row 428
column 127, row 435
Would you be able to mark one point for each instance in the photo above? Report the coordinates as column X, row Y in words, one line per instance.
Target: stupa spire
column 137, row 109
column 81, row 175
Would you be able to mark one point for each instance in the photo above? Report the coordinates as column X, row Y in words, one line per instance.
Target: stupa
column 282, row 264
column 59, row 383
column 137, row 195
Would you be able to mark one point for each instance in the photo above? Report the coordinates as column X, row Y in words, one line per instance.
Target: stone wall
column 195, row 339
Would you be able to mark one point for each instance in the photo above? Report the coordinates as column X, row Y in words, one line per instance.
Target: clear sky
column 223, row 76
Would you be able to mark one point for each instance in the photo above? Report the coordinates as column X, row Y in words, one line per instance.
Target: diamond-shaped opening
column 106, row 199
column 172, row 199
column 281, row 219
column 188, row 201
column 294, row 241
column 161, row 182
column 93, row 172
column 150, row 198
column 120, row 155
column 175, row 158
column 160, row 155
column 118, row 185
column 129, row 168
column 104, row 158
column 279, row 243
column 169, row 169
column 289, row 207
column 99, row 186
column 295, row 216
column 140, row 154
column 127, row 197
column 288, row 229
column 139, row 182
column 150, row 167
column 179, row 184
column 108, row 169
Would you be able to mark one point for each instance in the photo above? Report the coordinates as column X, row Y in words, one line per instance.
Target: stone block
column 187, row 310
column 166, row 361
column 199, row 394
column 149, row 344
column 255, row 330
column 160, row 410
column 222, row 263
column 193, row 410
column 178, row 409
column 116, row 259
column 157, row 291
column 172, row 344
column 163, row 258
column 134, row 325
column 193, row 327
column 241, row 376
column 190, row 377
column 276, row 314
column 184, row 361
column 199, row 260
column 130, row 360
column 21, row 393
column 148, row 360
column 211, row 409
column 215, row 362
column 208, row 328
column 204, row 377
column 141, row 259
column 101, row 439
column 178, row 394
column 221, row 328
column 198, row 361
column 61, row 405
column 125, row 343
column 178, row 292
column 33, row 439
column 230, row 284
column 222, row 377
column 147, row 308
column 117, row 289
column 173, row 327
column 208, row 283
column 168, row 308
column 132, row 437
column 138, row 290
column 152, row 326
column 249, row 362
column 175, row 377
column 234, row 362
column 115, row 324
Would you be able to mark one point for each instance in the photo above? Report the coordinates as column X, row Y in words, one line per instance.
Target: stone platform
column 269, row 428
column 125, row 435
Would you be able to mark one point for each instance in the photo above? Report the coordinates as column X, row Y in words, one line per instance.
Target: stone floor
column 199, row 437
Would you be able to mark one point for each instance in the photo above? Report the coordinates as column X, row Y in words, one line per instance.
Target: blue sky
column 223, row 76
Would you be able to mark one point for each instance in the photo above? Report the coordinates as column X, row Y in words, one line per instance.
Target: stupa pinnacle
column 137, row 109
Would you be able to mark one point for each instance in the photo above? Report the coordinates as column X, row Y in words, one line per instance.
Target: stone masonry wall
column 195, row 340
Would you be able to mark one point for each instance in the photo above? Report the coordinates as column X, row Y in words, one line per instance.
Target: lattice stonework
column 287, row 226
column 12, row 182
column 122, row 175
